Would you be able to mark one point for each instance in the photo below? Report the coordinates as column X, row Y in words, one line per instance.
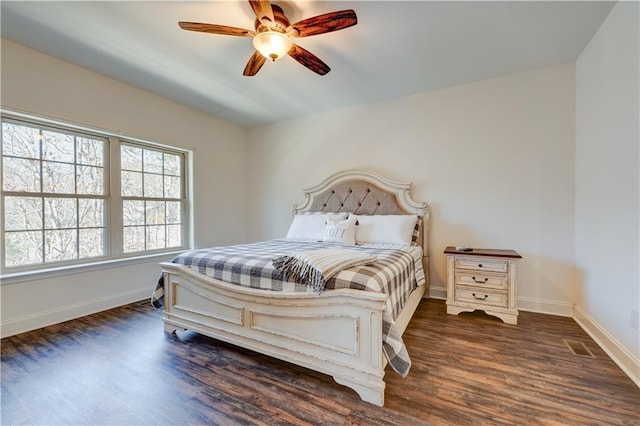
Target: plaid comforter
column 396, row 273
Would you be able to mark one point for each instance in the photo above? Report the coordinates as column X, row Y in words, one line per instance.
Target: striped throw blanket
column 315, row 267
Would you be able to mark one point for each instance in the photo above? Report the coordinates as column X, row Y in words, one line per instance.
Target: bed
column 346, row 333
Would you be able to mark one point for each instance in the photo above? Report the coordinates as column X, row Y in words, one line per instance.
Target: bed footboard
column 337, row 332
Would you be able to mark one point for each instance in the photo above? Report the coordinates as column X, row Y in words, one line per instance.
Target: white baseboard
column 438, row 293
column 543, row 306
column 549, row 307
column 618, row 353
column 66, row 313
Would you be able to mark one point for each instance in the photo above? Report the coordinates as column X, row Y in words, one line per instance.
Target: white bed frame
column 337, row 332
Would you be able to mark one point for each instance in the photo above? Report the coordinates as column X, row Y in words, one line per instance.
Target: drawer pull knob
column 479, row 265
column 480, row 281
column 480, row 298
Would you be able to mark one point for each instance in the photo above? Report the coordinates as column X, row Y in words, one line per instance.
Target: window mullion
column 114, row 224
column 42, row 212
column 75, row 189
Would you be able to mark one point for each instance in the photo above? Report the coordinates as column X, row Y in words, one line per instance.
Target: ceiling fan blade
column 309, row 60
column 256, row 61
column 263, row 12
column 332, row 21
column 216, row 29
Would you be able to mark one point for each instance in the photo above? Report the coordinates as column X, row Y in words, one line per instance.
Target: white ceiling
column 396, row 49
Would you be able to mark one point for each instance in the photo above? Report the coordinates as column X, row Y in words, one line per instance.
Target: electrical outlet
column 635, row 318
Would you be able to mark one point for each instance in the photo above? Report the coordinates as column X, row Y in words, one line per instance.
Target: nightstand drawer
column 481, row 296
column 480, row 279
column 482, row 265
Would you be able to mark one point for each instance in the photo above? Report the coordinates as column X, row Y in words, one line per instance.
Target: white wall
column 39, row 84
column 494, row 159
column 607, row 184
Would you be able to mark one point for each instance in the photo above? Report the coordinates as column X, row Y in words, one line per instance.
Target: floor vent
column 578, row 348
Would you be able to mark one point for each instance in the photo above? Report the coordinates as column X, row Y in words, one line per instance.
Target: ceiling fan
column 273, row 33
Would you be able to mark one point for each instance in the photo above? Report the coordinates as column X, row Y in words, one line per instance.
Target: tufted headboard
column 367, row 193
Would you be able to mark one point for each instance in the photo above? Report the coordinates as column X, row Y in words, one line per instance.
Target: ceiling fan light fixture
column 272, row 44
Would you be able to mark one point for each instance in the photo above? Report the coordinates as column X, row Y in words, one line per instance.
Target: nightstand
column 483, row 279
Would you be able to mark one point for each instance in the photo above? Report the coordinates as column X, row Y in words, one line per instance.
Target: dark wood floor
column 119, row 368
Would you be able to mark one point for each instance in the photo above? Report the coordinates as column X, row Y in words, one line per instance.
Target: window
column 62, row 205
column 151, row 198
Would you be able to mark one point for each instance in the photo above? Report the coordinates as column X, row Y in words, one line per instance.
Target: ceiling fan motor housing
column 280, row 22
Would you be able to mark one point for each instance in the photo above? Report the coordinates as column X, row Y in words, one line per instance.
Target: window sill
column 19, row 277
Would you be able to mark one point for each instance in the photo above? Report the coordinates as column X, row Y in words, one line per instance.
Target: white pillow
column 389, row 229
column 341, row 231
column 311, row 225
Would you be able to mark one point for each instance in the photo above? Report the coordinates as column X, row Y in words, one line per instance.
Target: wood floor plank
column 118, row 367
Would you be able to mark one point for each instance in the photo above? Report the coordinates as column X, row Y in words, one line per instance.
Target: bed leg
column 370, row 392
column 170, row 328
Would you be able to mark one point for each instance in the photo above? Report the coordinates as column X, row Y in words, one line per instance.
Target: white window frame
column 114, row 254
column 120, row 198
